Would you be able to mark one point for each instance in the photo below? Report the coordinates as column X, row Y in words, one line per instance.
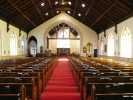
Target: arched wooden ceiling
column 99, row 15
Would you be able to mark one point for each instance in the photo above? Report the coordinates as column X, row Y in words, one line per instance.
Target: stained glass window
column 102, row 50
column 63, row 43
column 23, row 45
column 64, row 33
column 60, row 35
column 126, row 43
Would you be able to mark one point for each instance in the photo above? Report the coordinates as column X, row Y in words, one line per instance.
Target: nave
column 61, row 85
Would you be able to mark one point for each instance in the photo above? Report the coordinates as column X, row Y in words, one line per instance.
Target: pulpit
column 48, row 53
column 41, row 54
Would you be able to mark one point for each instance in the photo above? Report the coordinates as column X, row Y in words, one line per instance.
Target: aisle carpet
column 61, row 85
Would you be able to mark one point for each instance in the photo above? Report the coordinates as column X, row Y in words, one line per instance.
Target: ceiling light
column 61, row 11
column 79, row 14
column 42, row 4
column 57, row 11
column 69, row 12
column 56, row 2
column 69, row 3
column 83, row 5
column 46, row 14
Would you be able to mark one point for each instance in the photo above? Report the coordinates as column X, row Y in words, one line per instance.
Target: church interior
column 66, row 49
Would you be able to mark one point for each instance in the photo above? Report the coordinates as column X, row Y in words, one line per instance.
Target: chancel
column 66, row 49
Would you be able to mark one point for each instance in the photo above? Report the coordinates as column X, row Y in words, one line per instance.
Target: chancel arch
column 126, row 42
column 72, row 25
column 63, row 39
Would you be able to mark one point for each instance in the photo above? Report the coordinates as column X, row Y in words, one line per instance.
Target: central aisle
column 61, row 85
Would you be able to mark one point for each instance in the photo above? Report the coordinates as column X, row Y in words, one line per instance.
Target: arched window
column 0, row 44
column 126, row 43
column 13, row 44
column 23, row 45
column 102, row 50
column 63, row 43
column 111, row 45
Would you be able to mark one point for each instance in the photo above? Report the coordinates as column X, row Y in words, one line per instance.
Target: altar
column 63, row 51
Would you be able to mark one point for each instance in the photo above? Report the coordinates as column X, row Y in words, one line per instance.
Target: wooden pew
column 31, row 89
column 77, row 68
column 46, row 76
column 19, row 95
column 26, row 74
column 108, row 91
column 97, row 79
column 84, row 75
column 38, row 82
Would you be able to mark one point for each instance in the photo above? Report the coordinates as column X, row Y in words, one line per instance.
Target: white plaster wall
column 53, row 44
column 0, row 43
column 5, row 37
column 73, row 44
column 78, row 44
column 86, row 34
column 128, row 23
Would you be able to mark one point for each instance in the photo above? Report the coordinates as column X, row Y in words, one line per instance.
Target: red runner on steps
column 61, row 85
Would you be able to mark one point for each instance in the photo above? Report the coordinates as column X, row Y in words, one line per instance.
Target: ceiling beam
column 37, row 10
column 104, row 13
column 32, row 21
column 22, row 28
column 51, row 7
column 88, row 10
column 19, row 12
column 105, row 33
column 92, row 21
column 98, row 12
column 124, row 6
column 75, row 7
column 65, row 38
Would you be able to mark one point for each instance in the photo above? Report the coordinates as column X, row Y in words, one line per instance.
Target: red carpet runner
column 61, row 85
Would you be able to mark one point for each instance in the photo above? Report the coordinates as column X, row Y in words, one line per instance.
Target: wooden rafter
column 91, row 21
column 99, row 12
column 118, row 13
column 38, row 10
column 104, row 13
column 20, row 12
column 124, row 6
column 51, row 7
column 88, row 10
column 95, row 23
column 32, row 21
column 75, row 7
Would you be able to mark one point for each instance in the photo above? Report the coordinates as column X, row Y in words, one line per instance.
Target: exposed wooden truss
column 99, row 15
